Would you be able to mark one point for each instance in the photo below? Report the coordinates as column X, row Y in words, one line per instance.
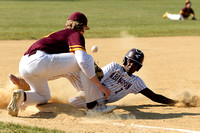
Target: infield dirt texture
column 171, row 68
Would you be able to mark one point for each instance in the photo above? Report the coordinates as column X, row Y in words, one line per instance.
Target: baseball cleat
column 101, row 109
column 165, row 15
column 15, row 103
column 14, row 79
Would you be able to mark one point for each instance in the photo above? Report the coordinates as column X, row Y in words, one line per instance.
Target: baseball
column 94, row 49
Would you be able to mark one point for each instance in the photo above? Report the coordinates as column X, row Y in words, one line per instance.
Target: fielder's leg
column 92, row 94
column 174, row 16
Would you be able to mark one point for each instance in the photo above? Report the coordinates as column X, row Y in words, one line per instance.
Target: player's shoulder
column 191, row 10
column 114, row 64
column 138, row 79
column 184, row 8
column 72, row 33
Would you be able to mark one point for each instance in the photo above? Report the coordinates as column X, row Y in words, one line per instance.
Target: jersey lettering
column 120, row 80
column 118, row 91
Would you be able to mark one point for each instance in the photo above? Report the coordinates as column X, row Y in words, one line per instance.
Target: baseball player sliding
column 119, row 79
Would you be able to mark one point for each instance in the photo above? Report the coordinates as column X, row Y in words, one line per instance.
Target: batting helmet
column 136, row 55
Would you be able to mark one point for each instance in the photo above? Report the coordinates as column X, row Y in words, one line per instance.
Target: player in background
column 59, row 53
column 119, row 79
column 184, row 13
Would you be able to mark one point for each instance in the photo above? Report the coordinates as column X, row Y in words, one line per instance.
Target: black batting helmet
column 136, row 55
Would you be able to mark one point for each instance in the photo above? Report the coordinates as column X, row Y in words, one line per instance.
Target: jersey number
column 118, row 91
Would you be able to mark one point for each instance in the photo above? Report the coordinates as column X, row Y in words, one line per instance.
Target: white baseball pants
column 175, row 16
column 38, row 68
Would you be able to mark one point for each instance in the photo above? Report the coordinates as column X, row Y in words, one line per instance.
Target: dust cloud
column 188, row 99
column 5, row 95
column 61, row 90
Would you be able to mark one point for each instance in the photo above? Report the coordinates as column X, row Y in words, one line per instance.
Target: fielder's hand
column 101, row 87
column 105, row 90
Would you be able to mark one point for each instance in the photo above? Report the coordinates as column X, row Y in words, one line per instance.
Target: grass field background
column 33, row 19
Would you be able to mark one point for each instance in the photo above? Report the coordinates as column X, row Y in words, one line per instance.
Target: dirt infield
column 171, row 68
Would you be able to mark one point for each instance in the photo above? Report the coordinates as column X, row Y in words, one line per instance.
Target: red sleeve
column 76, row 42
column 183, row 10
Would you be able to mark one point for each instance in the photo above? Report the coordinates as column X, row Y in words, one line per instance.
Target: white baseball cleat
column 101, row 109
column 15, row 103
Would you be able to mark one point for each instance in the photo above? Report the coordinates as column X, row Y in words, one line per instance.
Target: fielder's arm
column 157, row 98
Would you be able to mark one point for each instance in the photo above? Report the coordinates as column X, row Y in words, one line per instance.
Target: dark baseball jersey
column 63, row 41
column 185, row 12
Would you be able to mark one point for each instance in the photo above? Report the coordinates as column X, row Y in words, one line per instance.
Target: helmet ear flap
column 124, row 61
column 139, row 67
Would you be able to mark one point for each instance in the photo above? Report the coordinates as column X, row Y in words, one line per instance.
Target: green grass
column 16, row 128
column 33, row 19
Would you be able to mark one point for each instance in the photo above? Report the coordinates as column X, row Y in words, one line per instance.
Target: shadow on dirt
column 151, row 115
column 51, row 110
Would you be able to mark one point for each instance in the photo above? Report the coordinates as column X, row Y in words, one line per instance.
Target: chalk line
column 154, row 127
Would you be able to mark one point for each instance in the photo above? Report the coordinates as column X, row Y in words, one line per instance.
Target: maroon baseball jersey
column 186, row 12
column 63, row 41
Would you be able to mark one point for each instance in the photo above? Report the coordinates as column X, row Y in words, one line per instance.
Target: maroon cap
column 80, row 17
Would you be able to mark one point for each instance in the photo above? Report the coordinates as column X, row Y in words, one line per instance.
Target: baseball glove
column 98, row 71
column 193, row 18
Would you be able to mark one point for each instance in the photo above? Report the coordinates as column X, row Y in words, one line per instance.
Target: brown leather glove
column 98, row 71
